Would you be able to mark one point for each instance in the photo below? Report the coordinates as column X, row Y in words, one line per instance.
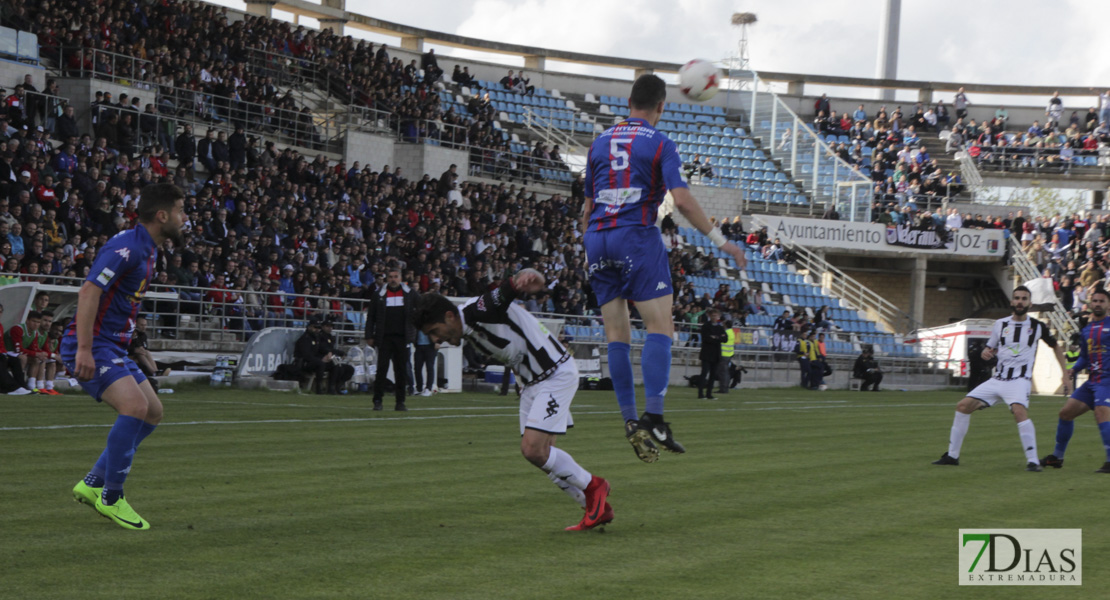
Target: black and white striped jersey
column 1015, row 344
column 512, row 335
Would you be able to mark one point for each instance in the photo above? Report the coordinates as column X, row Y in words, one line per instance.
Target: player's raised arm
column 686, row 204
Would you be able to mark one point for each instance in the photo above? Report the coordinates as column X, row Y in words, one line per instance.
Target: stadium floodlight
column 740, row 61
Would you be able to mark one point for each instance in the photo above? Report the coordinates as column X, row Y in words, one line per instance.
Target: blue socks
column 1104, row 429
column 95, row 478
column 118, row 454
column 1064, row 429
column 620, row 370
column 656, row 364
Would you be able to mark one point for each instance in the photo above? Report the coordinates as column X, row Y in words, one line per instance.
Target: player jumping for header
column 94, row 347
column 630, row 168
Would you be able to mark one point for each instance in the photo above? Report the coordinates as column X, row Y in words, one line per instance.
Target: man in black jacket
column 712, row 336
column 185, row 146
column 309, row 354
column 338, row 374
column 868, row 370
column 389, row 328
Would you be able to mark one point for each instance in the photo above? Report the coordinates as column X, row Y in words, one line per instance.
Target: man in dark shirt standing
column 389, row 329
column 712, row 336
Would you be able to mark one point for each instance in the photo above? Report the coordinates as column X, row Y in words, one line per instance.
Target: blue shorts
column 1093, row 393
column 629, row 263
column 112, row 364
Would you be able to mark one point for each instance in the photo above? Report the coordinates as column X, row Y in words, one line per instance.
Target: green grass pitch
column 782, row 494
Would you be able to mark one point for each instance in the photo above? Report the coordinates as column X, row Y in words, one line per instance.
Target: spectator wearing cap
column 286, row 282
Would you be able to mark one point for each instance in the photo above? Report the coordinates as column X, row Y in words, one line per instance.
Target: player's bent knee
column 969, row 405
column 536, row 449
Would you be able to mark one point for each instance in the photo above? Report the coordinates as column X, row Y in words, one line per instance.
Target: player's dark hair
column 648, row 91
column 47, row 313
column 34, row 314
column 157, row 197
column 431, row 309
column 1022, row 288
column 1101, row 290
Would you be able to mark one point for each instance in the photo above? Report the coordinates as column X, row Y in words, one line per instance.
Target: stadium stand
column 259, row 207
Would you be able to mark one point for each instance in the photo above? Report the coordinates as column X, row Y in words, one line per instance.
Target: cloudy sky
column 1036, row 42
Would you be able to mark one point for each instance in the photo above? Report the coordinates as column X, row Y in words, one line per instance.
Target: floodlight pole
column 887, row 66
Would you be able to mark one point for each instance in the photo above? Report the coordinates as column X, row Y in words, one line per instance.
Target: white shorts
column 545, row 406
column 1015, row 391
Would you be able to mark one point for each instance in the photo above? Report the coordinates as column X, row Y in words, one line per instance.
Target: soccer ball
column 698, row 80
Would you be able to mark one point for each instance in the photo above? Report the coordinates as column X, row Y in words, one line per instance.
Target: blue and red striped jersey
column 1094, row 350
column 630, row 167
column 123, row 269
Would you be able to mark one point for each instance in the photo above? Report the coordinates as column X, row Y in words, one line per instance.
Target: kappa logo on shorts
column 662, row 286
column 105, row 369
column 552, row 408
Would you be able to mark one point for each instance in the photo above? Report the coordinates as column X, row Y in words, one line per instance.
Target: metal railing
column 810, row 161
column 548, row 132
column 43, row 109
column 223, row 315
column 1058, row 318
column 839, row 284
column 1041, row 161
column 102, row 65
column 318, row 130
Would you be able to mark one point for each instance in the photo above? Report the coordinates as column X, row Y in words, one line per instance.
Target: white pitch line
column 441, row 417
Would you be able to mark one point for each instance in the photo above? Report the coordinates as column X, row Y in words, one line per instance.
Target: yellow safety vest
column 729, row 347
column 1070, row 357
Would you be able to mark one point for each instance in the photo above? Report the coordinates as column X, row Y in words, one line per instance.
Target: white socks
column 960, row 423
column 32, row 383
column 576, row 494
column 561, row 467
column 1029, row 440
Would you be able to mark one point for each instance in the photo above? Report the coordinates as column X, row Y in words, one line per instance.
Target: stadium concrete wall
column 941, row 308
column 12, row 73
column 372, row 151
column 82, row 92
column 417, row 159
column 716, row 202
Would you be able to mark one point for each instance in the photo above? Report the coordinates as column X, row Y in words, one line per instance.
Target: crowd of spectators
column 200, row 65
column 1054, row 146
column 887, row 147
column 1070, row 251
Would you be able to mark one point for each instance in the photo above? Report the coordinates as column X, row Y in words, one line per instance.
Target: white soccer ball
column 699, row 80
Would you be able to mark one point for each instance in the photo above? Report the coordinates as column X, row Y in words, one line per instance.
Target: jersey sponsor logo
column 105, row 276
column 125, row 253
column 617, row 197
column 395, row 301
